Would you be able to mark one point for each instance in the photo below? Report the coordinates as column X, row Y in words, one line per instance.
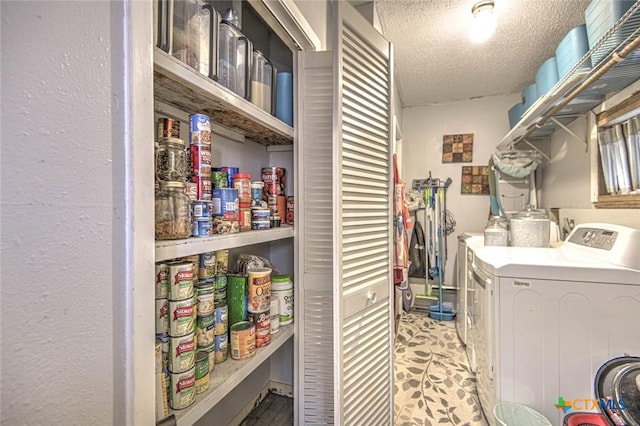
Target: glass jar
column 530, row 228
column 171, row 160
column 173, row 213
column 496, row 232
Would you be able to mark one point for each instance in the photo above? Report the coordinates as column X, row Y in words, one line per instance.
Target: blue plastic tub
column 600, row 16
column 447, row 313
column 571, row 49
column 546, row 77
column 515, row 113
column 529, row 96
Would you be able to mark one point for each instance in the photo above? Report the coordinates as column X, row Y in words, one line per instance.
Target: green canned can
column 236, row 298
column 219, row 179
column 220, row 290
column 202, row 371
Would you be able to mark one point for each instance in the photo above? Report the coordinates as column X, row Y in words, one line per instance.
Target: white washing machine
column 547, row 318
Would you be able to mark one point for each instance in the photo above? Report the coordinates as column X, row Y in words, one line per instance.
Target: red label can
column 288, row 218
column 201, row 160
column 274, row 179
column 204, row 186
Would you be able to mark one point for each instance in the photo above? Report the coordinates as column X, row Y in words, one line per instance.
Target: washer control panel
column 599, row 238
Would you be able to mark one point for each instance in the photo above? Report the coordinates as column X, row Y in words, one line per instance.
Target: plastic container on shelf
column 530, row 228
column 282, row 291
column 600, row 16
column 546, row 77
column 529, row 96
column 571, row 49
column 172, row 212
column 515, row 114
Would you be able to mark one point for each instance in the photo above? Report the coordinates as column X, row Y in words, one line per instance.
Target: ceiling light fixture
column 484, row 21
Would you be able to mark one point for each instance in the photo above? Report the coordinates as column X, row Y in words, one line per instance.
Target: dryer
column 548, row 318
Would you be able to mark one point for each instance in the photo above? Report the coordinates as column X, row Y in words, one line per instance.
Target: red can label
column 245, row 220
column 201, row 160
column 204, row 186
column 274, row 181
column 288, row 218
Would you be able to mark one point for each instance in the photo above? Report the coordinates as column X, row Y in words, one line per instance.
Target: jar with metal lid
column 496, row 232
column 530, row 228
column 171, row 160
column 173, row 212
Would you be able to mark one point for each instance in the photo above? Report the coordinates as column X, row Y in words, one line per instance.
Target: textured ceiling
column 436, row 62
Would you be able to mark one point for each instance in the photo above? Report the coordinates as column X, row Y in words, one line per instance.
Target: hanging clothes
column 403, row 220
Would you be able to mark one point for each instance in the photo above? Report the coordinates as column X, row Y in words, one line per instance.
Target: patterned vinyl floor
column 433, row 383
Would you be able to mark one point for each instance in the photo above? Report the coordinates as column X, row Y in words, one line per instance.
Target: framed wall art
column 457, row 148
column 475, row 180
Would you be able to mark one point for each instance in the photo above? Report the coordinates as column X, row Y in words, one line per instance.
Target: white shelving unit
column 227, row 376
column 178, row 87
column 179, row 248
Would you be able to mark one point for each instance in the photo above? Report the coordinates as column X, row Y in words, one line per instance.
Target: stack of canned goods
column 259, row 304
column 200, row 160
column 275, row 193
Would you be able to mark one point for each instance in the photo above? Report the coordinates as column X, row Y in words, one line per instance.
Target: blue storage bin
column 529, row 96
column 546, row 77
column 600, row 16
column 571, row 49
column 515, row 113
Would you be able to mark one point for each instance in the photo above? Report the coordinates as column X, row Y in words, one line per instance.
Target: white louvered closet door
column 345, row 339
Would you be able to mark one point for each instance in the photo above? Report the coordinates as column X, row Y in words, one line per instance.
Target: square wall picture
column 457, row 148
column 475, row 180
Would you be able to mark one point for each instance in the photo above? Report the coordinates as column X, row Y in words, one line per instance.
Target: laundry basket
column 514, row 414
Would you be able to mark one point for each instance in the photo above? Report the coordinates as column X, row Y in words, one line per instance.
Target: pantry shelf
column 228, row 375
column 182, row 87
column 172, row 249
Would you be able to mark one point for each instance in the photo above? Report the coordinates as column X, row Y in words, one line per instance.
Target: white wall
column 317, row 12
column 63, row 271
column 422, row 131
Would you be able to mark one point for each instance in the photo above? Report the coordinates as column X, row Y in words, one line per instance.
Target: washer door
column 617, row 386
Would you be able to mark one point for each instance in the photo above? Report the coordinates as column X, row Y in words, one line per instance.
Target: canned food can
column 262, row 323
column 258, row 215
column 162, row 316
column 182, row 353
column 274, row 316
column 205, row 331
column 256, row 194
column 289, row 211
column 230, row 172
column 183, row 389
column 191, row 189
column 182, row 316
column 258, row 225
column 219, row 178
column 243, row 340
column 162, row 281
column 201, row 209
column 221, row 348
column 225, row 210
column 202, row 371
column 202, row 227
column 275, row 221
column 211, row 352
column 236, row 298
column 281, row 204
column 271, row 179
column 168, row 128
column 180, row 280
column 207, row 265
column 220, row 289
column 200, row 160
column 222, row 261
column 259, row 281
column 164, row 339
column 205, row 297
column 221, row 320
column 272, row 203
column 244, row 219
column 200, row 129
column 195, row 265
column 203, row 186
